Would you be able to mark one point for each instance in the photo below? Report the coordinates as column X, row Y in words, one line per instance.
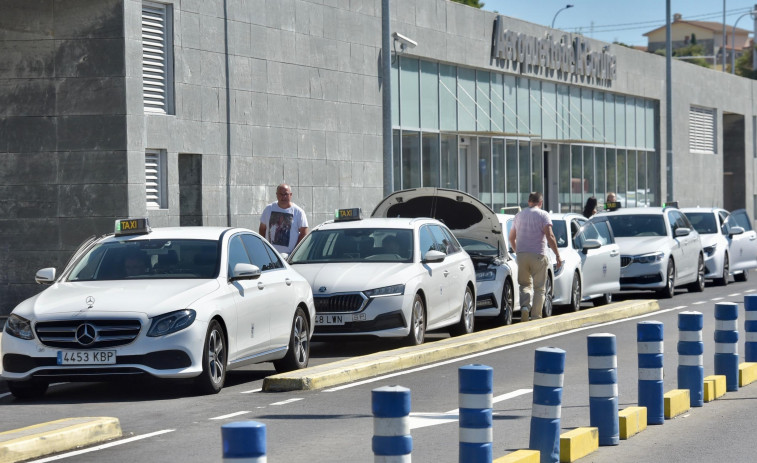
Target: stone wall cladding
column 63, row 166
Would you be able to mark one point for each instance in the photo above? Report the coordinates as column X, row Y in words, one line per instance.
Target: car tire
column 546, row 310
column 741, row 277
column 602, row 300
column 467, row 316
column 670, row 289
column 723, row 281
column 30, row 389
column 575, row 294
column 417, row 322
column 214, row 359
column 698, row 286
column 505, row 316
column 298, row 351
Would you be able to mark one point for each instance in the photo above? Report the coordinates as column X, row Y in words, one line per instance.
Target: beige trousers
column 532, row 279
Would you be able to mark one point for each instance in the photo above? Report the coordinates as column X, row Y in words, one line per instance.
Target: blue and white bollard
column 603, row 387
column 750, row 326
column 244, row 441
column 392, row 442
column 476, row 432
column 691, row 356
column 727, row 343
column 649, row 336
column 549, row 369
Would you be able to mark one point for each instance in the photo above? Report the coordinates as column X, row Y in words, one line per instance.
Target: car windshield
column 476, row 247
column 626, row 225
column 154, row 259
column 561, row 233
column 703, row 222
column 355, row 245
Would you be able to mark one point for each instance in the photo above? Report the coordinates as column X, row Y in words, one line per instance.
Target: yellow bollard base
column 520, row 456
column 632, row 420
column 578, row 443
column 677, row 402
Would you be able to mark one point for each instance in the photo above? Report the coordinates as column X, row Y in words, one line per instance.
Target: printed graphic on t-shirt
column 280, row 225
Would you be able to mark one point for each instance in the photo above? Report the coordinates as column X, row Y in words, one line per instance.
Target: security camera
column 405, row 42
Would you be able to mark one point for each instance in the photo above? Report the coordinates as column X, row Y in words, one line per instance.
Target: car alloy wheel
column 505, row 316
column 723, row 281
column 698, row 285
column 467, row 315
column 214, row 360
column 546, row 310
column 298, row 353
column 669, row 290
column 575, row 294
column 417, row 322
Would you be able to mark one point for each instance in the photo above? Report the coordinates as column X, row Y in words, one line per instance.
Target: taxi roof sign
column 612, row 206
column 671, row 204
column 132, row 227
column 341, row 215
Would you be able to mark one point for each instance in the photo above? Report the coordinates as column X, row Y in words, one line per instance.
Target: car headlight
column 394, row 290
column 486, row 275
column 19, row 327
column 649, row 258
column 171, row 322
column 710, row 250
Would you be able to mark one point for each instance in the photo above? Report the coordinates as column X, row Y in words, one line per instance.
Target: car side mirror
column 45, row 276
column 735, row 231
column 434, row 256
column 683, row 231
column 590, row 244
column 244, row 272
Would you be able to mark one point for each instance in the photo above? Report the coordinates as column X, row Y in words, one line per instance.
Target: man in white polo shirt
column 283, row 223
column 529, row 238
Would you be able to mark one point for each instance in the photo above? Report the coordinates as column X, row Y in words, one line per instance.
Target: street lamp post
column 733, row 40
column 558, row 12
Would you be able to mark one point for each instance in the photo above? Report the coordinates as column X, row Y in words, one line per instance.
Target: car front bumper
column 643, row 276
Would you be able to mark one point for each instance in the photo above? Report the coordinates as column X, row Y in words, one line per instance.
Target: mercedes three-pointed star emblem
column 86, row 334
column 90, row 302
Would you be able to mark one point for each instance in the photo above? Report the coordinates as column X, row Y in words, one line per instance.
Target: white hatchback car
column 591, row 261
column 188, row 302
column 659, row 249
column 386, row 278
column 729, row 242
column 478, row 230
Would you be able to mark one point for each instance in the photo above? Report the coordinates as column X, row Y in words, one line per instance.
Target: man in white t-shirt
column 283, row 223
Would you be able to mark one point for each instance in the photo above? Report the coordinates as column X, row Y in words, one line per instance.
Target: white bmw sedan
column 386, row 278
column 659, row 249
column 479, row 232
column 188, row 302
column 729, row 242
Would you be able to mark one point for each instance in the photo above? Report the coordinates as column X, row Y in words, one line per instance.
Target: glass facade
column 499, row 137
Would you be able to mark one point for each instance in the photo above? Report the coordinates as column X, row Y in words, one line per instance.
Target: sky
column 620, row 20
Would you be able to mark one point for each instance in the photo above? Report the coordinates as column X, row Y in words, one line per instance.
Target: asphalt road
column 166, row 420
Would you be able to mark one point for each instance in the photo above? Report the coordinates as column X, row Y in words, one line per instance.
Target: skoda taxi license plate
column 87, row 357
column 329, row 319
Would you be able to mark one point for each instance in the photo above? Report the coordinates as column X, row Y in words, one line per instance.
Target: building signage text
column 573, row 57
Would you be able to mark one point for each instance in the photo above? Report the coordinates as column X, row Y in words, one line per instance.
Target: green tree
column 473, row 3
column 744, row 65
column 684, row 54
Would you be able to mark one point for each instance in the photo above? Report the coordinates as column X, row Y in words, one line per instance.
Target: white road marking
column 500, row 349
column 734, row 295
column 103, row 446
column 288, row 401
column 230, row 415
column 250, row 392
column 422, row 420
column 700, row 302
column 749, row 290
column 716, row 298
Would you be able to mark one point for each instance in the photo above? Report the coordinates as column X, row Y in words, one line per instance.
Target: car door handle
column 752, row 238
column 462, row 266
column 446, row 272
column 261, row 285
column 288, row 281
column 614, row 253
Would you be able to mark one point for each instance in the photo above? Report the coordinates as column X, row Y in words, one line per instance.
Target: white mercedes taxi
column 729, row 242
column 659, row 249
column 393, row 277
column 478, row 230
column 189, row 302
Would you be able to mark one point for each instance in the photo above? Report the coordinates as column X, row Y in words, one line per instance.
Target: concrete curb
column 349, row 370
column 56, row 436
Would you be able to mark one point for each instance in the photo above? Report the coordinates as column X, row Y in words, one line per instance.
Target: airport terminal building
column 190, row 112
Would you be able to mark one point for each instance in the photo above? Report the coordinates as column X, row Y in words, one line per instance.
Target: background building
column 192, row 111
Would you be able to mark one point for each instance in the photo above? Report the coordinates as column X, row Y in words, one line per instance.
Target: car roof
column 565, row 216
column 702, row 209
column 377, row 222
column 189, row 233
